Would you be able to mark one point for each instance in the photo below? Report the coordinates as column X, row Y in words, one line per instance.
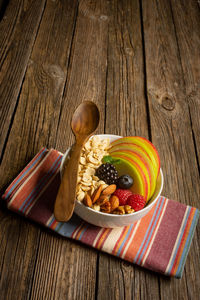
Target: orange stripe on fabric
column 152, row 236
column 120, row 241
column 130, row 236
column 101, row 238
column 139, row 236
column 105, row 237
column 31, row 181
column 54, row 224
column 76, row 232
column 181, row 248
column 95, row 245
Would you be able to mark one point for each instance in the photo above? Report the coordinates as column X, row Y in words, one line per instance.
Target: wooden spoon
column 85, row 120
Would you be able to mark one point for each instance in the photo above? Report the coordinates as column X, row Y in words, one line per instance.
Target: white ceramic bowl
column 110, row 220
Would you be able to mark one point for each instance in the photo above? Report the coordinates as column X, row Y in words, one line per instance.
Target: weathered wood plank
column 171, row 129
column 37, row 123
column 186, row 17
column 19, row 242
column 18, row 29
column 125, row 82
column 85, row 80
column 126, row 114
column 39, row 104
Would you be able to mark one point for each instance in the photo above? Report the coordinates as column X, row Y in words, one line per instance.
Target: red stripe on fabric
column 90, row 235
column 183, row 240
column 73, row 233
column 97, row 242
column 130, row 236
column 34, row 180
column 115, row 249
column 105, row 237
column 165, row 239
column 153, row 224
column 54, row 224
column 42, row 210
column 81, row 229
column 30, row 203
column 32, row 168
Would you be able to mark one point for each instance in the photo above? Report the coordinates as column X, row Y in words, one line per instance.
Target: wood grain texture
column 86, row 78
column 76, row 275
column 186, row 18
column 171, row 129
column 17, row 34
column 138, row 61
column 125, row 99
column 19, row 242
column 39, row 105
column 38, row 122
column 126, row 114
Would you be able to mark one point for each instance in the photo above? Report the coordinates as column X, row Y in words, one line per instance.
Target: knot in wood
column 129, row 51
column 103, row 17
column 168, row 103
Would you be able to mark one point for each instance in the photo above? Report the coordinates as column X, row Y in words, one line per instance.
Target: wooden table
column 139, row 61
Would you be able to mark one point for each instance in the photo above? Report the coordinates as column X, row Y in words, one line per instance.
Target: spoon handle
column 65, row 200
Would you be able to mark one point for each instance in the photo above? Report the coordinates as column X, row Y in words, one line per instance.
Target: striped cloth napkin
column 160, row 241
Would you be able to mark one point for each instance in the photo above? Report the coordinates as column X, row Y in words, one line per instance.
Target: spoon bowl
column 85, row 121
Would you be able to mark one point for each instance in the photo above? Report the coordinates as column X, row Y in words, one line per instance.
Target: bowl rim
column 147, row 207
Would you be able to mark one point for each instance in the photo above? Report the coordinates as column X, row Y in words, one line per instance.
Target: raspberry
column 136, row 201
column 122, row 195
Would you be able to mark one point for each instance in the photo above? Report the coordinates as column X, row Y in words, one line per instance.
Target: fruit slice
column 133, row 147
column 128, row 166
column 140, row 154
column 146, row 145
column 140, row 161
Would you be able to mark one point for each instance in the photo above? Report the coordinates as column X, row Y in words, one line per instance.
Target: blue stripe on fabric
column 59, row 225
column 83, row 231
column 179, row 241
column 126, row 237
column 187, row 244
column 22, row 176
column 53, row 219
column 40, row 185
column 151, row 232
column 154, row 214
column 68, row 228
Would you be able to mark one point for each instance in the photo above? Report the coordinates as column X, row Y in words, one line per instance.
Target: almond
column 88, row 200
column 96, row 194
column 109, row 189
column 114, row 202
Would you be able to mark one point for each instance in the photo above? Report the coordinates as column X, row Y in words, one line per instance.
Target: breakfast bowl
column 107, row 220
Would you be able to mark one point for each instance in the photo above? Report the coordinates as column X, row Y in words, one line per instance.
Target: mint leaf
column 109, row 159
